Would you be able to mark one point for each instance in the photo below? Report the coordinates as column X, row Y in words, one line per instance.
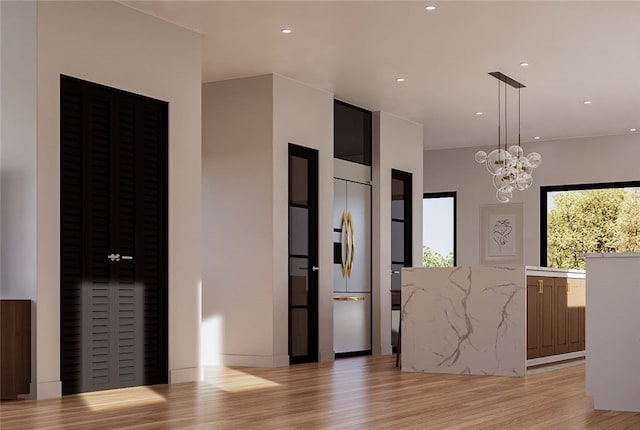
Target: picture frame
column 502, row 234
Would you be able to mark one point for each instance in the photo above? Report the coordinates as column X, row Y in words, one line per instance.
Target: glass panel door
column 303, row 254
column 401, row 241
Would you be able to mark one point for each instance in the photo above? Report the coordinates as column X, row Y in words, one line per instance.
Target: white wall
column 397, row 144
column 304, row 116
column 18, row 150
column 238, row 225
column 18, row 143
column 578, row 161
column 108, row 43
column 248, row 125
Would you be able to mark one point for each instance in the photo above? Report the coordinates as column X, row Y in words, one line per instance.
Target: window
column 578, row 219
column 439, row 229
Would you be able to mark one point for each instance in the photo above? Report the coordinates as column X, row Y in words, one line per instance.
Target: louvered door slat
column 152, row 223
column 70, row 229
column 97, row 305
column 130, row 358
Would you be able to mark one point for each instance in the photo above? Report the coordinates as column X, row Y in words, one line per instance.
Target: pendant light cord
column 499, row 118
column 519, row 144
column 506, row 123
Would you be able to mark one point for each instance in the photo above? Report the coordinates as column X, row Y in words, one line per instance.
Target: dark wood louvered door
column 113, row 238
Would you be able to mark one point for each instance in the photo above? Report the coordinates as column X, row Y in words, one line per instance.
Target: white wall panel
column 397, row 144
column 113, row 45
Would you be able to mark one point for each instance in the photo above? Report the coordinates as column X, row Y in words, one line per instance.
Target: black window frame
column 544, row 195
column 444, row 194
column 407, row 181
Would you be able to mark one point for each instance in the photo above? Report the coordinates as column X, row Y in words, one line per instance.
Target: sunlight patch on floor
column 235, row 381
column 123, row 398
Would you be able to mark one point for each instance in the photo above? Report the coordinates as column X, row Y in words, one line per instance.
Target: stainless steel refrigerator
column 352, row 267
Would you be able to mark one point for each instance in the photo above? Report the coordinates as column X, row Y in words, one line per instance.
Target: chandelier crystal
column 510, row 168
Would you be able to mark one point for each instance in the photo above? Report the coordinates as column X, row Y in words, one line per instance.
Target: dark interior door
column 303, row 254
column 113, row 238
column 401, row 240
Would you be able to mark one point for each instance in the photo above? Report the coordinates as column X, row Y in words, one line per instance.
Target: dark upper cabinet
column 352, row 133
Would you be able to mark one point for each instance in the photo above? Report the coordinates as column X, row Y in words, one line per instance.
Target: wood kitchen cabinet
column 576, row 328
column 552, row 326
column 15, row 348
column 561, row 320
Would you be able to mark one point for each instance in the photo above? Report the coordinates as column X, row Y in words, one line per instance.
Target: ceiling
column 576, row 50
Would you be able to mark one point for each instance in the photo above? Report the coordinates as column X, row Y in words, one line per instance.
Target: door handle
column 395, row 272
column 315, row 268
column 352, row 233
column 349, row 243
column 127, row 257
column 114, row 257
column 345, row 242
column 540, row 286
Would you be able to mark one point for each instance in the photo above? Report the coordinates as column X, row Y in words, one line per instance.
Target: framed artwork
column 501, row 234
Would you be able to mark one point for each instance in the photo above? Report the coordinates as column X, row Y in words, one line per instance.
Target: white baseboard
column 189, row 374
column 280, row 360
column 254, row 360
column 555, row 358
column 48, row 390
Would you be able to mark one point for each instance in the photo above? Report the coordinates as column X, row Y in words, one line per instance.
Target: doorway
column 303, row 254
column 113, row 235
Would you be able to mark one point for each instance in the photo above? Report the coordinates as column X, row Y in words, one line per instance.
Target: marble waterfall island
column 467, row 319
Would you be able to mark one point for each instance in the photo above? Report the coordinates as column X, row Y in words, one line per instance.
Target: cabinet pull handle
column 540, row 286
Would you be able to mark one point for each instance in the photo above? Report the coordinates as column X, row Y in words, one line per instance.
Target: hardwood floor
column 354, row 393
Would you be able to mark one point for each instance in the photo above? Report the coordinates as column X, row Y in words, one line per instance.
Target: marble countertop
column 613, row 255
column 552, row 271
column 543, row 271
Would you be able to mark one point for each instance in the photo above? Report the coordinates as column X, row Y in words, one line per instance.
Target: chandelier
column 511, row 169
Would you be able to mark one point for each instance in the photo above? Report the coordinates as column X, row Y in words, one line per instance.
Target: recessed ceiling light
column 430, row 7
column 633, row 129
column 399, row 79
column 537, row 137
column 587, row 102
column 524, row 64
column 479, row 113
column 285, row 30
